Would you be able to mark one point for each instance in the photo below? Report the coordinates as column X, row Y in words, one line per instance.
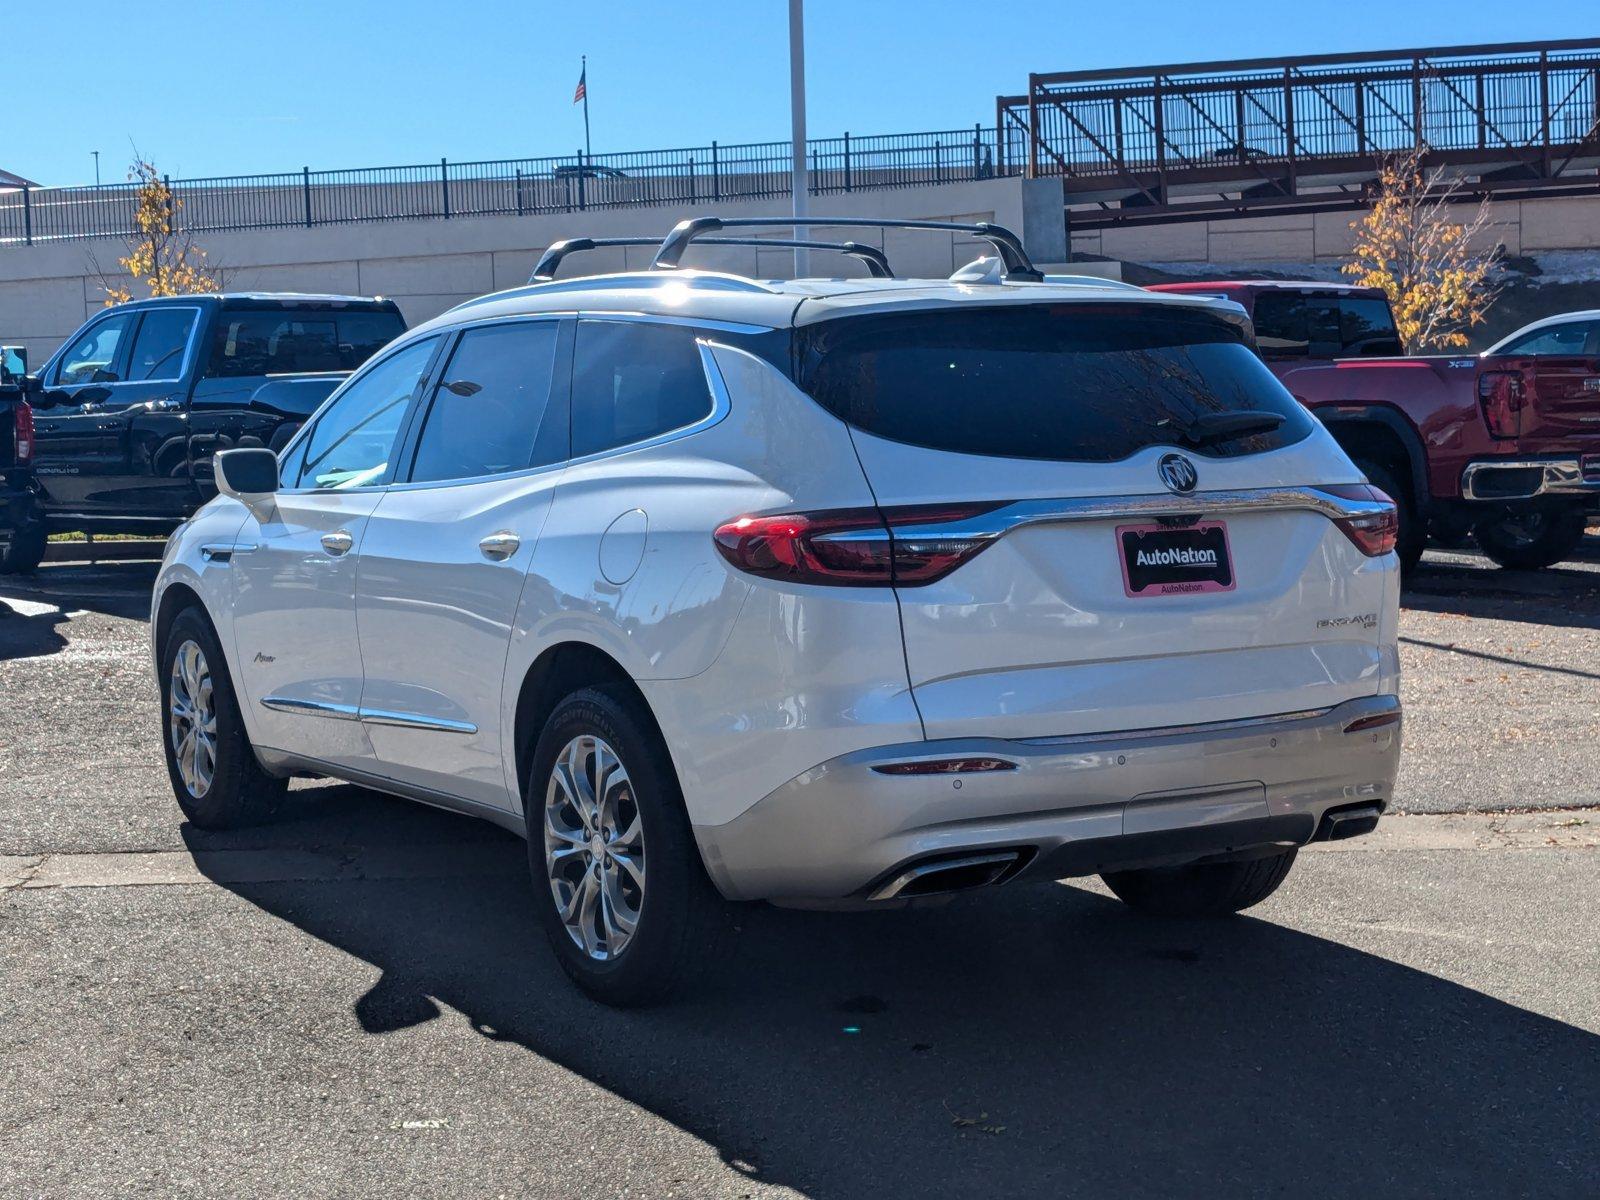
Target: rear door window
column 491, row 412
column 1074, row 383
column 158, row 350
column 286, row 342
column 633, row 381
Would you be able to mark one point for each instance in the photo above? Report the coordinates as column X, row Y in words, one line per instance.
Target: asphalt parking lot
column 353, row 1000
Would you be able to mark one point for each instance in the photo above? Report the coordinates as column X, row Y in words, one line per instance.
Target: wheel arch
column 1379, row 433
column 556, row 673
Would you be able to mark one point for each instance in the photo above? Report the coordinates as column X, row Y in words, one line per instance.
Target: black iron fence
column 692, row 175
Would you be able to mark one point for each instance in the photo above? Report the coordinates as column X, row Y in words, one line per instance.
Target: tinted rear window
column 1062, row 382
column 1296, row 325
column 286, row 342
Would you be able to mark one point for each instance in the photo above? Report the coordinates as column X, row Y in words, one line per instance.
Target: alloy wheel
column 594, row 847
column 192, row 719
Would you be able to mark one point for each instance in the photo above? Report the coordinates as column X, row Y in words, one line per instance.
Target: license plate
column 1161, row 560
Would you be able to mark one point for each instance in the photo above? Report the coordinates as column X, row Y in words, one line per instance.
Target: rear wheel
column 23, row 554
column 1532, row 539
column 1413, row 535
column 213, row 768
column 1201, row 890
column 619, row 885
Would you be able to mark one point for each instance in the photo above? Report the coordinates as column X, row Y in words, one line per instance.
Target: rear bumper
column 1526, row 478
column 1070, row 806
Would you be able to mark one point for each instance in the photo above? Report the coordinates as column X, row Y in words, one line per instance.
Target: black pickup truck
column 127, row 414
column 22, row 534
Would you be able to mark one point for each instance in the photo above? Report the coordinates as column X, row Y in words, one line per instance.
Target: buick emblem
column 1178, row 473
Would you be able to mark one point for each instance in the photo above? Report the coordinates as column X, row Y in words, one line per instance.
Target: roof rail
column 1006, row 244
column 877, row 263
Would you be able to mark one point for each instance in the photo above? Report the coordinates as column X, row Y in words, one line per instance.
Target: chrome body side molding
column 371, row 716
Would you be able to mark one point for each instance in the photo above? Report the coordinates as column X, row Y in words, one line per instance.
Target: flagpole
column 587, row 151
column 799, row 185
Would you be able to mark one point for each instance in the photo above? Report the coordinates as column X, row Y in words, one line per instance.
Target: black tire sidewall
column 23, row 554
column 239, row 791
column 1563, row 531
column 673, row 905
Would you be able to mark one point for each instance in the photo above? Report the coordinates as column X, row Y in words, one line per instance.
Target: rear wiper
column 1210, row 428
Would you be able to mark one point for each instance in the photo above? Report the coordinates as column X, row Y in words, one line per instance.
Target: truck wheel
column 1413, row 537
column 25, row 551
column 1202, row 890
column 212, row 765
column 618, row 881
column 1532, row 539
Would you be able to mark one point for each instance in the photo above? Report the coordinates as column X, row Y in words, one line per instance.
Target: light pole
column 96, row 154
column 797, row 118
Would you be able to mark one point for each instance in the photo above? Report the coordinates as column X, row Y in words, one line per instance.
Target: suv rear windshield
column 1066, row 382
column 288, row 342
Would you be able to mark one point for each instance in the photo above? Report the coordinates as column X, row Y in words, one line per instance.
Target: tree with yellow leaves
column 1436, row 271
column 162, row 258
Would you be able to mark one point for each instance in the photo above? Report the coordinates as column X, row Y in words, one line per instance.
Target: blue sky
column 220, row 87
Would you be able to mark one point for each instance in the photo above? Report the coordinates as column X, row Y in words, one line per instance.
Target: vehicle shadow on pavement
column 1030, row 1040
column 1567, row 596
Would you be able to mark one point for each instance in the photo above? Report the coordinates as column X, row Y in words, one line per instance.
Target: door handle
column 165, row 405
column 337, row 543
column 500, row 546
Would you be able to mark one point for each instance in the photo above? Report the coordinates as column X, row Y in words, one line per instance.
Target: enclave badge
column 1178, row 473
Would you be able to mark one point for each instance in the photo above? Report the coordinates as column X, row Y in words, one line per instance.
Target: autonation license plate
column 1158, row 560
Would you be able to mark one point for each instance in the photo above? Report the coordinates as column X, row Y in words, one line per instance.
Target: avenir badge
column 1162, row 560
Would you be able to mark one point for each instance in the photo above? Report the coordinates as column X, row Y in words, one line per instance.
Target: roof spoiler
column 877, row 263
column 1018, row 266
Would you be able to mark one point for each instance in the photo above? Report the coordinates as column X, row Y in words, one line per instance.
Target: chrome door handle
column 500, row 546
column 337, row 543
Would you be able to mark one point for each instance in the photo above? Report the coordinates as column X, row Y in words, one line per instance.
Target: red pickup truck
column 1505, row 444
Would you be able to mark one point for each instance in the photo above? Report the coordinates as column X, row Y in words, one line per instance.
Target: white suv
column 824, row 591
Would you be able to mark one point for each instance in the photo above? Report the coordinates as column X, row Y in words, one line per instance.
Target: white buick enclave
column 824, row 591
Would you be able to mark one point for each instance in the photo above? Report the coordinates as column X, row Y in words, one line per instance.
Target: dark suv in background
column 128, row 412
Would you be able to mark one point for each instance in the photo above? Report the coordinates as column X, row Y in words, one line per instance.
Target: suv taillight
column 853, row 547
column 1373, row 533
column 1502, row 394
column 24, row 422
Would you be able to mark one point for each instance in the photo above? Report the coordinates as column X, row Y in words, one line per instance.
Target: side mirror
column 248, row 475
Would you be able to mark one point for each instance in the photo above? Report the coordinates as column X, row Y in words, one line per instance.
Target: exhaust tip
column 937, row 877
column 1349, row 822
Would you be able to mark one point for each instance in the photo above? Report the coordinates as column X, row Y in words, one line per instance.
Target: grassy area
column 105, row 537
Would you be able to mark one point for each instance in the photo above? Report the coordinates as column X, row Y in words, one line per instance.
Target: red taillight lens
column 24, row 439
column 1502, row 394
column 853, row 547
column 1373, row 533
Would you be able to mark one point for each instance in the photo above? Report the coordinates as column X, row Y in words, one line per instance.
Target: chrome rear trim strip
column 371, row 716
column 1377, row 704
column 1073, row 509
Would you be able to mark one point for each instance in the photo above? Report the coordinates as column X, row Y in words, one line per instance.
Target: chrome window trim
column 1196, row 505
column 368, row 716
column 675, row 319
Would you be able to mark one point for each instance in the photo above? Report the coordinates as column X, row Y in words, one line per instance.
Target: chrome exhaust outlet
column 945, row 875
column 1348, row 822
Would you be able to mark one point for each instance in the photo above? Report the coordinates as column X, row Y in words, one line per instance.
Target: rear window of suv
column 287, row 342
column 1065, row 382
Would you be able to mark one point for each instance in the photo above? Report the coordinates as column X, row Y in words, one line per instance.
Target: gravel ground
column 352, row 1000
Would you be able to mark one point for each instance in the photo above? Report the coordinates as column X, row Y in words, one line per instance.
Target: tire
column 25, row 551
column 1413, row 536
column 652, row 876
column 235, row 791
column 1202, row 890
column 1533, row 539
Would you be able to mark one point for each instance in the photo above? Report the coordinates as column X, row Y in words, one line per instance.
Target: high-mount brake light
column 24, row 430
column 1502, row 395
column 1373, row 533
column 854, row 547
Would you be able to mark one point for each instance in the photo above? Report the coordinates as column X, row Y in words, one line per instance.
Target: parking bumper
column 1070, row 806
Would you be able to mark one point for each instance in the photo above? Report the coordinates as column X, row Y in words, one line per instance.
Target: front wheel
column 619, row 884
column 1532, row 539
column 1201, row 890
column 213, row 768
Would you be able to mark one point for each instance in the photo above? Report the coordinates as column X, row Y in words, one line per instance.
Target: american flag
column 583, row 89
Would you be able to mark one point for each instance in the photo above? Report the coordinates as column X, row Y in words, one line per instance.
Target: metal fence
column 692, row 175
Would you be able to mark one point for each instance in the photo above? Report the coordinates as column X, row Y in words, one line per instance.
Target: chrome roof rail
column 1006, row 244
column 877, row 263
